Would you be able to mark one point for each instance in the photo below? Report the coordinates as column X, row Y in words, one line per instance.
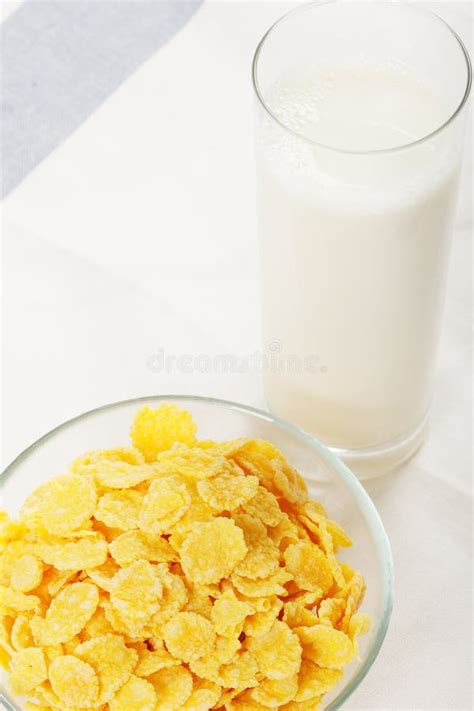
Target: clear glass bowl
column 328, row 479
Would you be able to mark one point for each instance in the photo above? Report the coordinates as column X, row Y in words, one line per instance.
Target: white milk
column 354, row 251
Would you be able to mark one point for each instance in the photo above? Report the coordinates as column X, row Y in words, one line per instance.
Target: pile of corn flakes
column 176, row 574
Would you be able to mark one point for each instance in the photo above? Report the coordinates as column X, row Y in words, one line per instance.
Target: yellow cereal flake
column 21, row 635
column 97, row 625
column 77, row 554
column 325, row 646
column 67, row 614
column 158, row 430
column 61, row 505
column 278, row 653
column 312, row 705
column 273, row 585
column 174, row 598
column 319, row 528
column 236, row 701
column 111, row 660
column 135, row 695
column 198, row 512
column 103, row 575
column 73, row 681
column 165, row 503
column 227, row 492
column 188, row 636
column 275, row 693
column 359, row 624
column 57, row 579
column 27, row 573
column 264, row 506
column 314, row 681
column 353, row 594
column 204, row 696
column 28, row 670
column 289, row 483
column 284, row 533
column 211, row 551
column 120, row 475
column 17, row 601
column 137, row 545
column 191, row 464
column 240, row 673
column 176, row 575
column 309, row 567
column 261, row 561
column 119, row 509
column 225, row 649
column 261, row 622
column 199, row 599
column 228, row 615
column 173, row 688
column 87, row 462
column 330, row 611
column 136, row 592
column 225, row 449
column 297, row 615
column 152, row 660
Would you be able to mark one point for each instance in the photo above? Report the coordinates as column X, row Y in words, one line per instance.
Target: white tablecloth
column 136, row 238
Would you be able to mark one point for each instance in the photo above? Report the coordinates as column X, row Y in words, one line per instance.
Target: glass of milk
column 359, row 134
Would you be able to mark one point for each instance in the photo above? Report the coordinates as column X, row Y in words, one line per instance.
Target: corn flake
column 21, row 635
column 325, row 646
column 138, row 545
column 188, row 636
column 273, row 585
column 228, row 615
column 211, row 550
column 67, row 614
column 309, row 567
column 165, row 503
column 314, row 681
column 119, row 509
column 17, row 601
column 278, row 653
column 191, row 464
column 173, row 688
column 135, row 695
column 130, row 455
column 274, row 693
column 227, row 492
column 73, row 681
column 136, row 591
column 174, row 598
column 264, row 506
column 120, row 475
column 112, row 661
column 240, row 673
column 152, row 660
column 78, row 554
column 61, row 505
column 28, row 670
column 155, row 431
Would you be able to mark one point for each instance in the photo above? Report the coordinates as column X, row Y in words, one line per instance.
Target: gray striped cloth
column 61, row 59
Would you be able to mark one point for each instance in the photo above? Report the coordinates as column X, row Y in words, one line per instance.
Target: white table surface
column 138, row 235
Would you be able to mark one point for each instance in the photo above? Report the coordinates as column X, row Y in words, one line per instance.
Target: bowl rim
column 363, row 499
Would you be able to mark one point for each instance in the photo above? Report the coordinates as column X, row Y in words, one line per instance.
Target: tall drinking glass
column 359, row 127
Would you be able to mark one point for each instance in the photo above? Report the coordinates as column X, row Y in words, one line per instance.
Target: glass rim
column 365, row 503
column 319, row 3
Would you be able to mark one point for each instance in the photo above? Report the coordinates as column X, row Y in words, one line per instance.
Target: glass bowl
column 329, row 481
